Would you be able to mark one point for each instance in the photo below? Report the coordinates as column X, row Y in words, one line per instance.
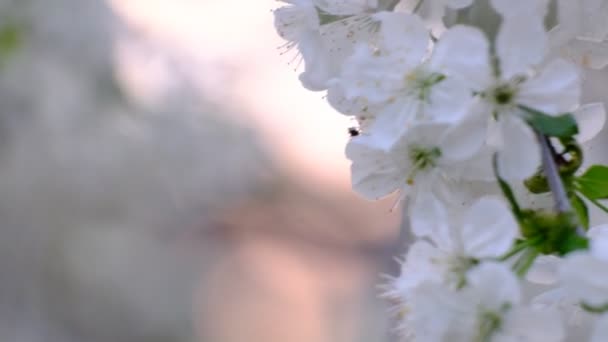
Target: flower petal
column 428, row 218
column 449, row 101
column 521, row 43
column 463, row 140
column 588, row 54
column 463, row 52
column 600, row 331
column 532, row 325
column 556, row 90
column 519, row 156
column 392, row 122
column 599, row 242
column 591, row 119
column 489, row 229
column 317, row 66
column 544, row 270
column 369, row 76
column 494, row 285
column 403, row 34
column 373, row 172
column 418, row 267
column 585, row 278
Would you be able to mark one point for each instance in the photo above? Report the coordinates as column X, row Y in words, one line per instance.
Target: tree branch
column 558, row 190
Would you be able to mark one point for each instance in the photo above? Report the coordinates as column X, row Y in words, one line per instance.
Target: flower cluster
column 467, row 120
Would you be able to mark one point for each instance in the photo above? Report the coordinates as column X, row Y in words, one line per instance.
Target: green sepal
column 594, row 182
column 553, row 233
column 560, row 126
column 581, row 210
column 600, row 309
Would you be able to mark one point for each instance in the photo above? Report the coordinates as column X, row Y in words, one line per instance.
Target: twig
column 562, row 202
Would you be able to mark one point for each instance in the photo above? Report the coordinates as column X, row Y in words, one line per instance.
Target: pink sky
column 305, row 133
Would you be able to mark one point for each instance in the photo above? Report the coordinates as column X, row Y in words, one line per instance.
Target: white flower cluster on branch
column 466, row 123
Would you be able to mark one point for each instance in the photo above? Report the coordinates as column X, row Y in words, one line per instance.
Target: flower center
column 420, row 82
column 489, row 322
column 504, row 94
column 457, row 269
column 422, row 158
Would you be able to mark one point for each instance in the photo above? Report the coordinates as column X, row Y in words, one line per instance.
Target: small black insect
column 354, row 131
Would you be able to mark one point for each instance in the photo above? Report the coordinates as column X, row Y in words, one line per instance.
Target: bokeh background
column 165, row 178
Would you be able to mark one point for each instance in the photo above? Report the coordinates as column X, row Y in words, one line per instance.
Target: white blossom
column 421, row 162
column 513, row 81
column 325, row 32
column 489, row 308
column 402, row 88
column 485, row 231
column 581, row 34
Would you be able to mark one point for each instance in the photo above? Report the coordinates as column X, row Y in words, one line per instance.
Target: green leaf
column 580, row 207
column 594, row 182
column 561, row 126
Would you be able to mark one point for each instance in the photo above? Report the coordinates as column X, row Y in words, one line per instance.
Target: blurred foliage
column 11, row 37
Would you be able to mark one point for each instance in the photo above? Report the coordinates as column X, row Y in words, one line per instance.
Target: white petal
column 519, row 157
column 599, row 242
column 439, row 314
column 526, row 324
column 585, row 278
column 374, row 173
column 489, row 229
column 591, row 119
column 392, row 122
column 449, row 101
column 291, row 21
column 419, row 266
column 374, row 78
column 521, row 44
column 494, row 284
column 403, row 34
column 544, row 270
column 465, row 139
column 428, row 218
column 317, row 66
column 588, row 54
column 463, row 52
column 337, row 99
column 556, row 90
column 600, row 331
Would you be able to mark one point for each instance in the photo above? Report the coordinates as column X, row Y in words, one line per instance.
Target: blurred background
column 164, row 177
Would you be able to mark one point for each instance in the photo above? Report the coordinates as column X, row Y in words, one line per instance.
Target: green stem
column 515, row 250
column 523, row 265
